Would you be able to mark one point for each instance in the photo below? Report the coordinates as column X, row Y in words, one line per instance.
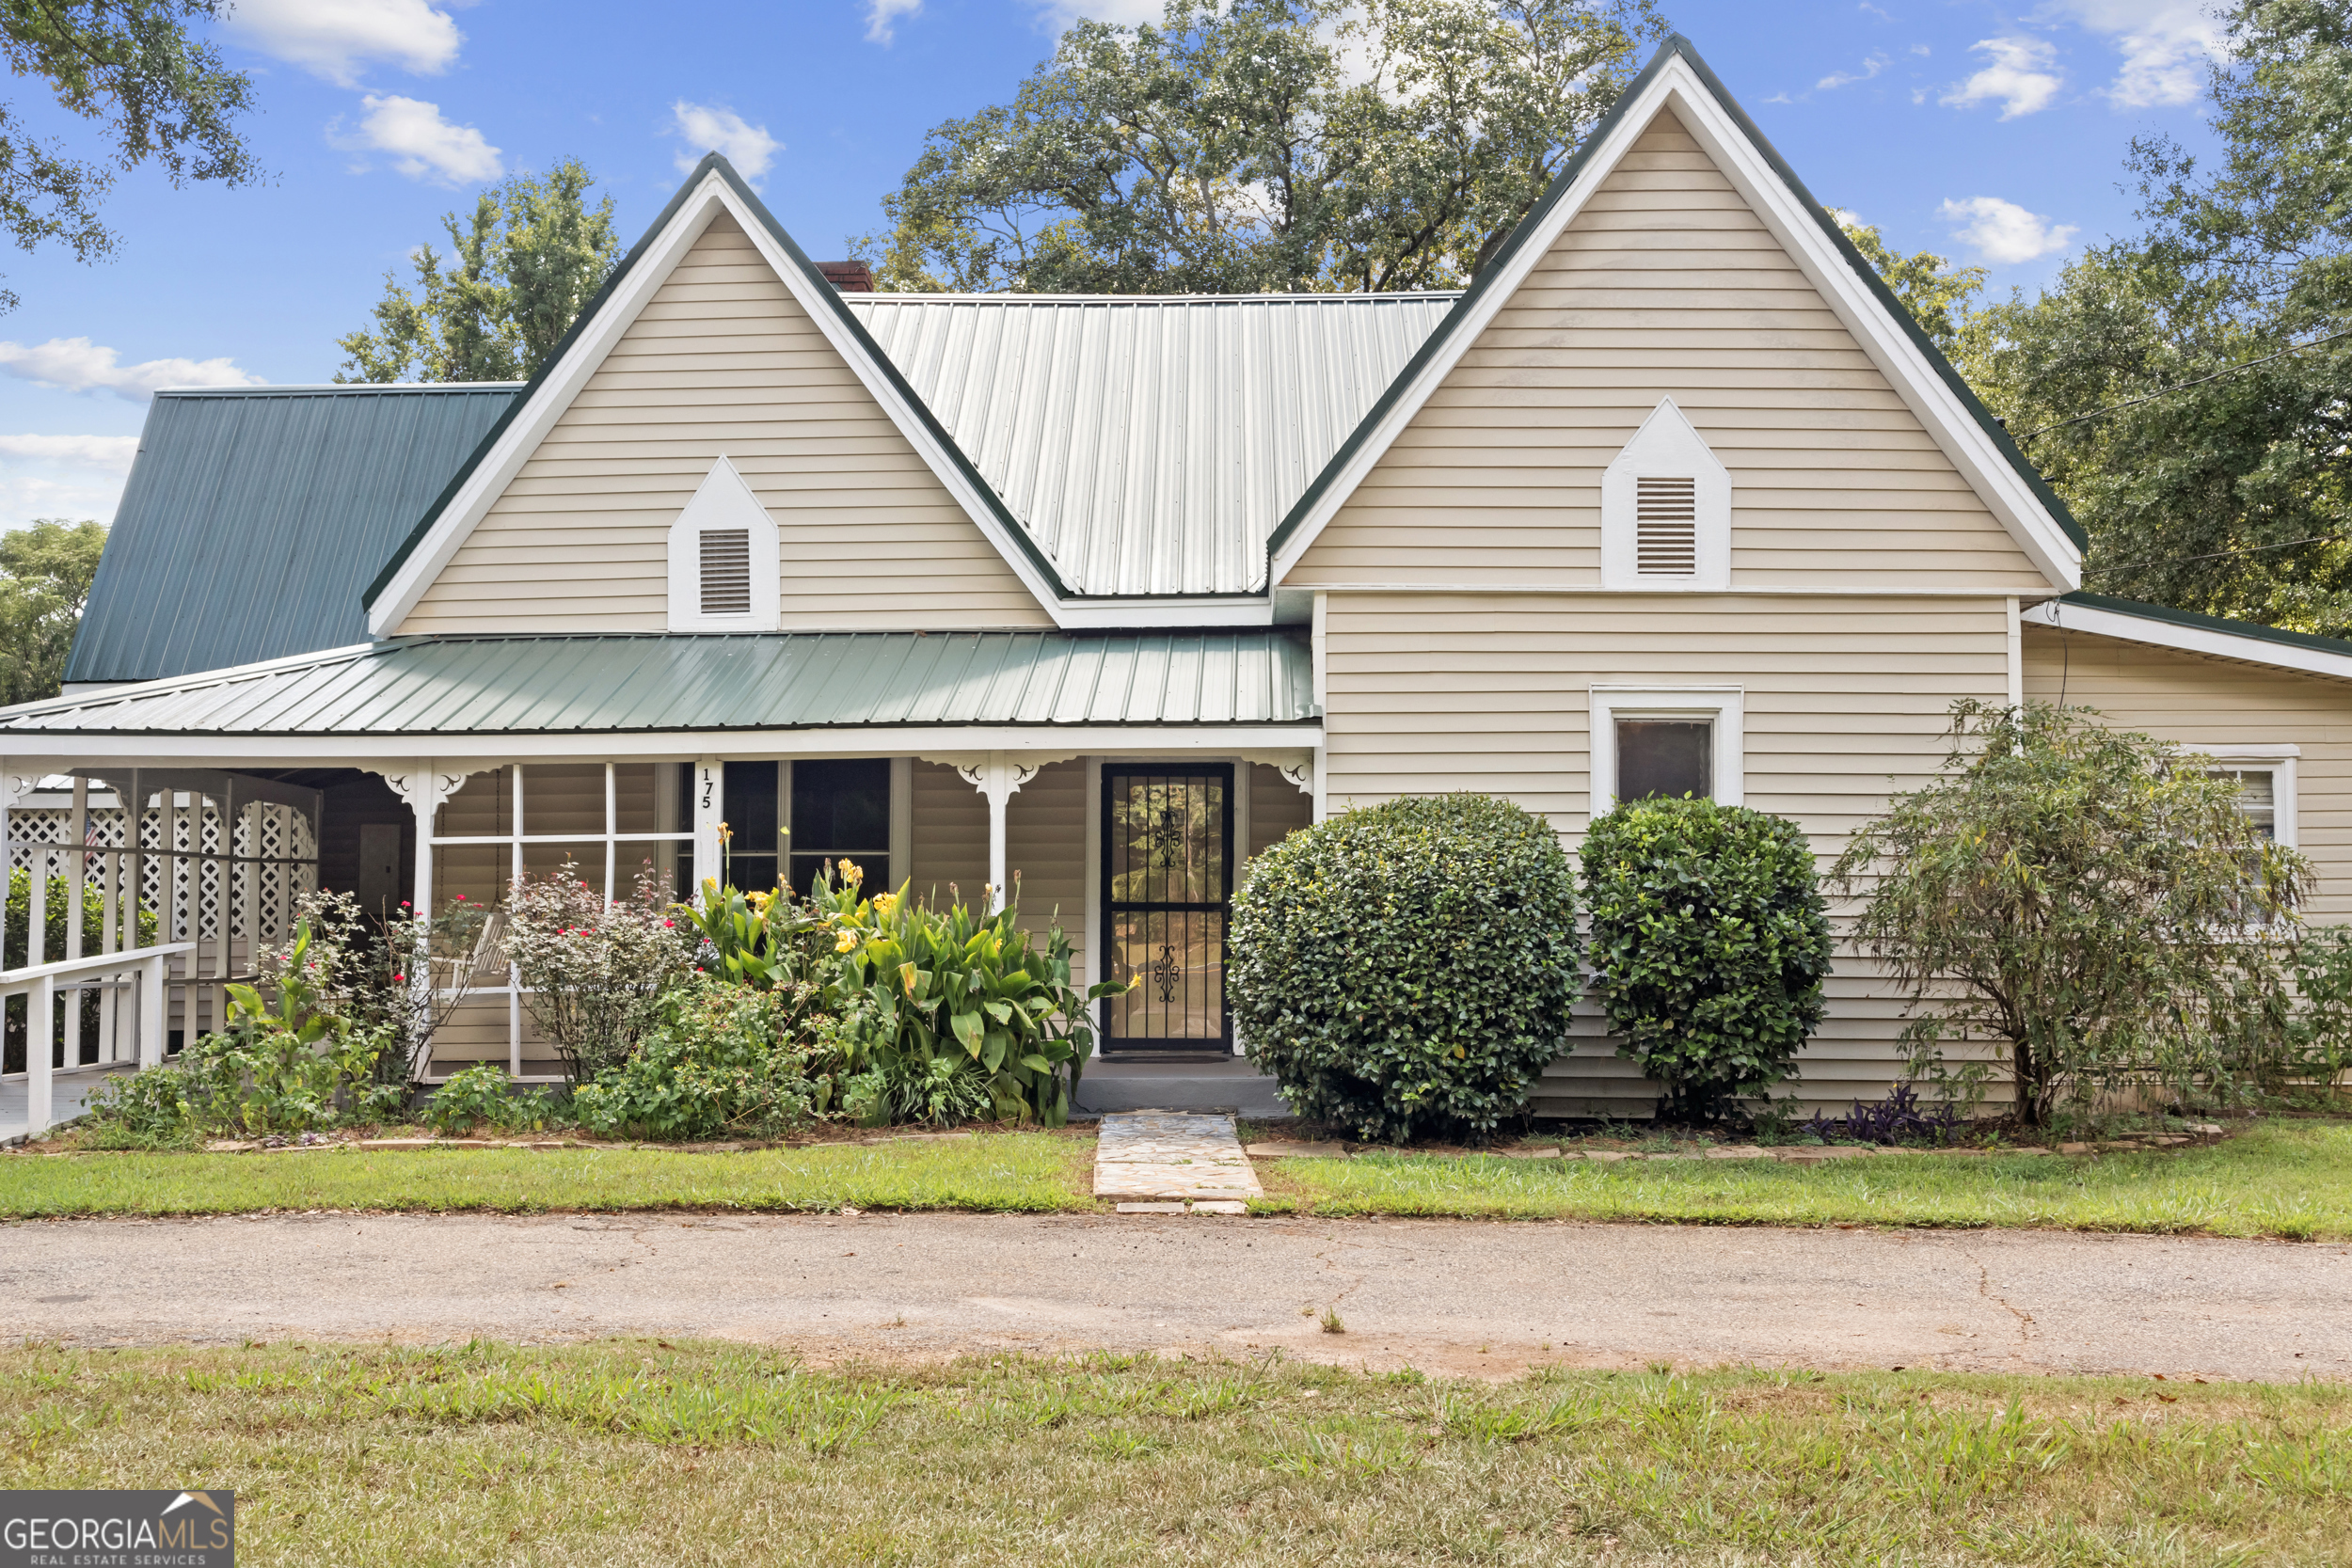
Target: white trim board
column 489, row 479
column 2208, row 641
column 1939, row 409
column 1725, row 706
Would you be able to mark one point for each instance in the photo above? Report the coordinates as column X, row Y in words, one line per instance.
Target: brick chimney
column 851, row 277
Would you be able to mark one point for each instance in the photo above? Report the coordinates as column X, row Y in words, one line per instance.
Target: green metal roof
column 2255, row 629
column 255, row 515
column 769, row 681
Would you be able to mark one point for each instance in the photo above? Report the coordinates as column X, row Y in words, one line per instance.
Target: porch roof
column 672, row 683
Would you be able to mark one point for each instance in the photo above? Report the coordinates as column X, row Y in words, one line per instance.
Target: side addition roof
column 254, row 516
column 1150, row 444
column 2162, row 626
column 1677, row 78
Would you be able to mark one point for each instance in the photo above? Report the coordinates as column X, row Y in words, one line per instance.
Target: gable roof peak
column 1677, row 80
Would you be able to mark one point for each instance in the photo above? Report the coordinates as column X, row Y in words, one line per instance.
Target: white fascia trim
column 498, row 467
column 1726, row 705
column 1835, row 590
column 58, row 752
column 2190, row 640
column 1948, row 421
column 1151, row 614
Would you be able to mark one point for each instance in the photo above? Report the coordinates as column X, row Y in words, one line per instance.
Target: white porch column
column 425, row 787
column 710, row 799
column 999, row 775
column 77, row 867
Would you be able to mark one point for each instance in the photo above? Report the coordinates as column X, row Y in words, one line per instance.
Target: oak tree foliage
column 1265, row 146
column 159, row 95
column 46, row 569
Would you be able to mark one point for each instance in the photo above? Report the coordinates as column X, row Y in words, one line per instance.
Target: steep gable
column 1666, row 284
column 722, row 360
column 1678, row 257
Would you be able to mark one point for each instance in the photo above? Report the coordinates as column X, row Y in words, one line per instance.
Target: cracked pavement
column 1481, row 1299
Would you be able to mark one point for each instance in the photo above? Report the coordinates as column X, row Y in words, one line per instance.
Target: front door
column 1168, row 890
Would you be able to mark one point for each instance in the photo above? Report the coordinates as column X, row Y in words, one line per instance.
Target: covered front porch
column 1118, row 783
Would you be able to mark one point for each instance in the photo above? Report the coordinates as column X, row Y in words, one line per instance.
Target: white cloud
column 1057, row 14
column 2018, row 77
column 335, row 38
column 2003, row 232
column 2165, row 45
column 707, row 128
column 421, row 143
column 78, row 365
column 1870, row 68
column 63, row 476
column 882, row 17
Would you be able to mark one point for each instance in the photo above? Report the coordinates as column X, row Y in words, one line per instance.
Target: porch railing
column 133, row 1015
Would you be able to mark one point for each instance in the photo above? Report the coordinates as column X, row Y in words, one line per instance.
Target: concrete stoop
column 1223, row 1083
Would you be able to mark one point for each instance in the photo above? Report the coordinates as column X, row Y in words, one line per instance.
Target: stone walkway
column 1167, row 1161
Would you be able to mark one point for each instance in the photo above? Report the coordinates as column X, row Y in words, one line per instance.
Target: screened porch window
column 610, row 819
column 841, row 810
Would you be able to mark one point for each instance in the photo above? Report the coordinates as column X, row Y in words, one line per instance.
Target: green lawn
column 1024, row 1172
column 2276, row 1179
column 640, row 1452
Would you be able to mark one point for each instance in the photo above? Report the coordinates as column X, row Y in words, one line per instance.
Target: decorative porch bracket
column 1299, row 767
column 998, row 775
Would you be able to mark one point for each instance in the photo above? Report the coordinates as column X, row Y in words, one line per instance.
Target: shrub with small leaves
column 1710, row 943
column 1407, row 968
column 482, row 1096
column 725, row 1060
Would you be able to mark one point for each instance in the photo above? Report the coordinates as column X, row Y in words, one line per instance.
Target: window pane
column 542, row 861
column 485, row 803
column 563, row 798
column 672, row 864
column 2257, row 797
column 654, row 796
column 476, row 872
column 1665, row 756
column 841, row 806
column 750, row 814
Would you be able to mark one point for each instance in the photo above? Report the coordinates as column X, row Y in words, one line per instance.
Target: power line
column 2183, row 387
column 2216, row 555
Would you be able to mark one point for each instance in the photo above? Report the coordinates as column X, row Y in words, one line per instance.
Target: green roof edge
column 2254, row 630
column 711, row 162
column 1675, row 44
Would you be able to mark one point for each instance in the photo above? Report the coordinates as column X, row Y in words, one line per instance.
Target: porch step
column 1229, row 1084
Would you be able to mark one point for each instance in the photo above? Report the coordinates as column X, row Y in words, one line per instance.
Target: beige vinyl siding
column 1666, row 284
column 723, row 361
column 2210, row 702
column 951, row 828
column 1278, row 807
column 1045, row 841
column 1845, row 698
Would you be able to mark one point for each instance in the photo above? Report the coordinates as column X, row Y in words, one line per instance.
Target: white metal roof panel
column 1149, row 445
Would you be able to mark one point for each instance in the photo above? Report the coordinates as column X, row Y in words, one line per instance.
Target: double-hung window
column 1649, row 741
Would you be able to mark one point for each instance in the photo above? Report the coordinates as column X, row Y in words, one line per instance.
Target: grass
column 638, row 1452
column 1020, row 1172
column 2288, row 1178
column 2291, row 1178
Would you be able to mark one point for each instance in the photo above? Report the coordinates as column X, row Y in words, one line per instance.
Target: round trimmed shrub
column 1407, row 968
column 1708, row 946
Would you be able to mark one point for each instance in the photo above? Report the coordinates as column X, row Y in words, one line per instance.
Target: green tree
column 130, row 65
column 48, row 568
column 2184, row 388
column 1934, row 292
column 2094, row 900
column 1265, row 146
column 522, row 266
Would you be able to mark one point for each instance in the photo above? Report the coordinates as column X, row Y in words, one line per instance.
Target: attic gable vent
column 1665, row 527
column 726, row 571
column 725, row 559
column 1665, row 510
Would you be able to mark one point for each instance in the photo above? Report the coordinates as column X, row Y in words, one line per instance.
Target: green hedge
column 1407, row 968
column 1708, row 946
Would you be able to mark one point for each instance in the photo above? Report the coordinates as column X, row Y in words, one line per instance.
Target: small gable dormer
column 725, row 559
column 1665, row 509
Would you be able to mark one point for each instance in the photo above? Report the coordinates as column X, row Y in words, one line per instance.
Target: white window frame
column 1724, row 706
column 724, row 500
column 2279, row 760
column 1666, row 447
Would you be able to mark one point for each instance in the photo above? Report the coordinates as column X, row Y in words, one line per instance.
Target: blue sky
column 1993, row 133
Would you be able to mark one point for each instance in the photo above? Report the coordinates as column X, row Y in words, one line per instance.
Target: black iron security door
column 1168, row 890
